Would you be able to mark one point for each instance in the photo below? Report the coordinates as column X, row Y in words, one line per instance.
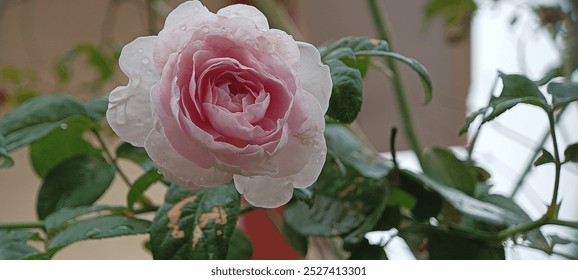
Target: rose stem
column 398, row 88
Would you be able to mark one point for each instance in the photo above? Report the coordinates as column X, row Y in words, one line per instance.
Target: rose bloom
column 216, row 97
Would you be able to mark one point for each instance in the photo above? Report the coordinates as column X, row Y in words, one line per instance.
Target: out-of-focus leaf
column 14, row 244
column 97, row 107
column 534, row 236
column 443, row 166
column 74, row 182
column 102, row 63
column 343, row 144
column 427, row 203
column 447, row 246
column 240, row 247
column 562, row 93
column 517, row 89
column 469, row 206
column 5, row 159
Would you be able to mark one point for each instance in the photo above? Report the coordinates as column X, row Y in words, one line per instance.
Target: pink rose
column 216, row 97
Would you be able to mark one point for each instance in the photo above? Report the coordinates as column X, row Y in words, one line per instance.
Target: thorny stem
column 398, row 88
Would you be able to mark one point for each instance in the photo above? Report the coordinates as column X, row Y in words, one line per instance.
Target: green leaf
column 141, row 185
column 347, row 72
column 346, row 95
column 65, row 216
column 571, row 153
column 450, row 246
column 14, row 244
column 350, row 194
column 412, row 63
column 62, row 143
column 98, row 228
column 471, row 118
column 454, row 12
column 240, row 247
column 397, row 196
column 534, row 236
column 36, row 118
column 562, row 93
column 469, row 206
column 195, row 224
column 5, row 159
column 137, row 155
column 101, row 62
column 76, row 181
column 344, row 145
column 545, row 157
column 427, row 203
column 97, row 107
column 517, row 89
column 443, row 166
column 326, row 218
column 345, row 49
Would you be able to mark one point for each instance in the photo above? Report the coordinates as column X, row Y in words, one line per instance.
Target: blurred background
column 69, row 46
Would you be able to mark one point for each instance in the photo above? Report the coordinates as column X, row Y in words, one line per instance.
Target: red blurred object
column 268, row 243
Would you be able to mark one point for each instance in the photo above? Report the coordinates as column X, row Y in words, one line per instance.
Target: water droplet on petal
column 140, row 50
column 183, row 27
column 145, row 60
column 63, row 126
column 205, row 29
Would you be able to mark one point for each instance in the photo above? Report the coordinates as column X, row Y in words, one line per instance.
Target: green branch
column 20, row 225
column 398, row 88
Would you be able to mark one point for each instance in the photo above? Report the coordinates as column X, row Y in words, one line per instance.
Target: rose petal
column 305, row 145
column 246, row 11
column 190, row 14
column 178, row 169
column 264, row 191
column 315, row 76
column 129, row 111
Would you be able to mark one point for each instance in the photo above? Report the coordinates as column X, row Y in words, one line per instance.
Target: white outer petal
column 314, row 75
column 264, row 191
column 269, row 192
column 183, row 11
column 246, row 11
column 129, row 111
column 178, row 169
